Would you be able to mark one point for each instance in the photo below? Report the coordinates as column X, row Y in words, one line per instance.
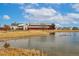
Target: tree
column 52, row 26
column 6, row 27
column 75, row 28
column 15, row 24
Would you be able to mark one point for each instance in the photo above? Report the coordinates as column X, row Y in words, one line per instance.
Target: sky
column 61, row 14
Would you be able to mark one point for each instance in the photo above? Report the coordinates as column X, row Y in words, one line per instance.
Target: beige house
column 23, row 26
column 19, row 26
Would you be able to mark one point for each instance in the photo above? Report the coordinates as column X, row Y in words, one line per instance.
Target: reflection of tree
column 74, row 34
column 52, row 33
column 74, row 37
column 29, row 42
column 43, row 38
column 51, row 37
column 6, row 45
column 74, row 40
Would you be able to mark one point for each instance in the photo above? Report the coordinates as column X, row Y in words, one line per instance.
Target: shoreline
column 63, row 30
column 30, row 33
column 4, row 36
column 16, row 38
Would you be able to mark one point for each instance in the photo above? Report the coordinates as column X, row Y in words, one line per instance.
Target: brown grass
column 20, row 52
column 17, row 34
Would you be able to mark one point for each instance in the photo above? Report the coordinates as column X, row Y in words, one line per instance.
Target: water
column 62, row 43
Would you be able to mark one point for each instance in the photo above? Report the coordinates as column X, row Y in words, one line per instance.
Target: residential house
column 19, row 26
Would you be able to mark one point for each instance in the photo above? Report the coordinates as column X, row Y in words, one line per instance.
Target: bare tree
column 6, row 27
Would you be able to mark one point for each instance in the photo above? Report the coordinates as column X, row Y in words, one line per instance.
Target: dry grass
column 20, row 52
column 18, row 34
column 62, row 31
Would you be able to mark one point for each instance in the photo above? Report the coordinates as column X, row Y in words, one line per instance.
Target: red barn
column 41, row 27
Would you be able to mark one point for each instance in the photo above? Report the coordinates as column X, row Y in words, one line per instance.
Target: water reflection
column 63, row 43
column 29, row 42
column 51, row 37
column 52, row 33
column 43, row 39
column 6, row 45
column 75, row 38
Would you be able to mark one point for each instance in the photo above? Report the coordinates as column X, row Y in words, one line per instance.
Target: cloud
column 58, row 25
column 49, row 14
column 73, row 15
column 73, row 18
column 43, row 13
column 6, row 17
column 70, row 18
column 75, row 6
column 75, row 22
column 28, row 5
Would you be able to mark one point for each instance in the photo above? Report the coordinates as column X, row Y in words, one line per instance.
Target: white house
column 13, row 27
column 23, row 26
column 19, row 26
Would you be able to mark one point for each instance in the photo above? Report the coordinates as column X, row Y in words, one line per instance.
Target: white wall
column 14, row 27
column 25, row 27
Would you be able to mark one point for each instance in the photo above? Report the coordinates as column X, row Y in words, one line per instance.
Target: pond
column 62, row 43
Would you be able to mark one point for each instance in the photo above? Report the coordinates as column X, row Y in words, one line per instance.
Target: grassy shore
column 21, row 52
column 63, row 31
column 18, row 34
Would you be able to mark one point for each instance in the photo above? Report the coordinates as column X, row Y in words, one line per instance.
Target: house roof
column 39, row 24
column 18, row 24
column 22, row 24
